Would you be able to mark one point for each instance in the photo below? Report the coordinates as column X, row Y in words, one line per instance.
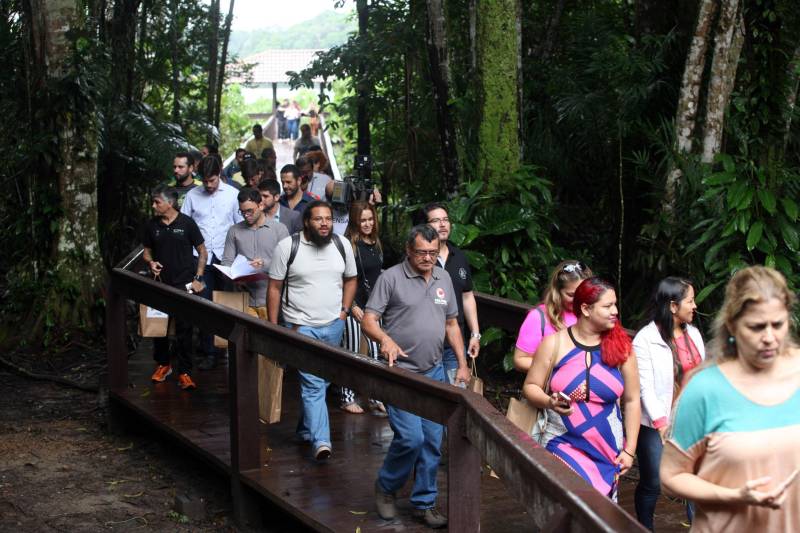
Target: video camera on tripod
column 354, row 187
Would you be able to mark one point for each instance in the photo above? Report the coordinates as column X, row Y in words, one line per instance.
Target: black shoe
column 209, row 362
column 384, row 502
column 430, row 517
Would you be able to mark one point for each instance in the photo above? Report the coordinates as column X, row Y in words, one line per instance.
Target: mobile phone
column 564, row 397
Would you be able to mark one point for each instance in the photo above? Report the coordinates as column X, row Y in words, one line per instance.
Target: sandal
column 352, row 408
column 378, row 409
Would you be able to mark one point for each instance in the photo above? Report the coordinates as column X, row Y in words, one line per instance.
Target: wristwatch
column 198, row 278
column 475, row 336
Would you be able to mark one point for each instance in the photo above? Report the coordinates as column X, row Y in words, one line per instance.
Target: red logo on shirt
column 440, row 293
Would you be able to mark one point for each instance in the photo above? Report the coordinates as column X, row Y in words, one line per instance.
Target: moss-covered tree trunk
column 498, row 94
column 76, row 259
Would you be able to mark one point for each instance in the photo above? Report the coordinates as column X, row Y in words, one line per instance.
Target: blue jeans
column 415, row 446
column 450, row 363
column 314, row 425
column 291, row 127
column 648, row 452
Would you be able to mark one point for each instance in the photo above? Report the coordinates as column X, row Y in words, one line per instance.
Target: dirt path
column 61, row 471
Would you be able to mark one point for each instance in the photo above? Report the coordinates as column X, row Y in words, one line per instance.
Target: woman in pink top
column 553, row 314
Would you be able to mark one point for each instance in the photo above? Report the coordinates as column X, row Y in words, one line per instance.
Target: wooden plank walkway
column 334, row 496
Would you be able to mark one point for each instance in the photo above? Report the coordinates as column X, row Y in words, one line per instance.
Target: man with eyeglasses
column 255, row 238
column 454, row 261
column 417, row 303
column 312, row 284
column 214, row 207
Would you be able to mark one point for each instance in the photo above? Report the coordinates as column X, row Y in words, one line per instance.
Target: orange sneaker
column 185, row 382
column 161, row 373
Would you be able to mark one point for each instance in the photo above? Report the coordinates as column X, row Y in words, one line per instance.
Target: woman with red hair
column 587, row 369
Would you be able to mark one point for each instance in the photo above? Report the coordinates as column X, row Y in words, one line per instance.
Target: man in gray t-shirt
column 321, row 287
column 417, row 303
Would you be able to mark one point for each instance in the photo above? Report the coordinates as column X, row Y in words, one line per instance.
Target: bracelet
column 629, row 453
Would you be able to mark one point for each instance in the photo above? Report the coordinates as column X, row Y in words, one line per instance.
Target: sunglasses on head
column 574, row 268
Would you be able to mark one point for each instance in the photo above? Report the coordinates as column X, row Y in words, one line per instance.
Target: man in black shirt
column 168, row 240
column 455, row 263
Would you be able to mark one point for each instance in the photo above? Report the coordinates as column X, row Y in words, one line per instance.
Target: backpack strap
column 292, row 255
column 337, row 241
column 541, row 319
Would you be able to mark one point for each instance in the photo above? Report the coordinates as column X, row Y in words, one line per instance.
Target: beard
column 320, row 240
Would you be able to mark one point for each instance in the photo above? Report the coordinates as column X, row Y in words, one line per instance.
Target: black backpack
column 293, row 253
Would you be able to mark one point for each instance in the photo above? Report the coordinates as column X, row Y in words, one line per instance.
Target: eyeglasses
column 437, row 220
column 574, row 268
column 426, row 253
column 246, row 212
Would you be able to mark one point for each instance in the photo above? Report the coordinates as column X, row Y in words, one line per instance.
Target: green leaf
column 473, row 188
column 490, row 335
column 767, row 199
column 790, row 208
column 703, row 294
column 727, row 162
column 754, row 235
column 463, row 234
column 720, row 178
column 476, row 260
column 504, row 255
column 502, row 219
column 508, row 362
column 790, row 236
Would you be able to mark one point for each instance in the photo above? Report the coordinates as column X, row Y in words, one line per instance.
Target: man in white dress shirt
column 215, row 208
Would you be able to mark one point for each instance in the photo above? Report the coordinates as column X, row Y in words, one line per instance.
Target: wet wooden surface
column 334, row 496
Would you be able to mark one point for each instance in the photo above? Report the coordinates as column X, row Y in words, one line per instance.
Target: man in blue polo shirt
column 417, row 304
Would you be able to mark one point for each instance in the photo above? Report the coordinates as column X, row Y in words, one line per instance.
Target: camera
column 354, row 187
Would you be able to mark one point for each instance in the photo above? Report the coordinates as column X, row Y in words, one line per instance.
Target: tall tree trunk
column 364, row 142
column 497, row 94
column 76, row 262
column 142, row 47
column 728, row 40
column 548, row 42
column 174, row 36
column 792, row 86
column 689, row 100
column 226, row 36
column 440, row 78
column 411, row 137
column 123, row 47
column 213, row 53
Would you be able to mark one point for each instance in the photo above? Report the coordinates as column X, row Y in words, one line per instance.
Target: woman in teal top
column 733, row 447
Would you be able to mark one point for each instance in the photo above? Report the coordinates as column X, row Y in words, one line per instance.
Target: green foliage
column 324, row 31
column 234, row 124
column 506, row 236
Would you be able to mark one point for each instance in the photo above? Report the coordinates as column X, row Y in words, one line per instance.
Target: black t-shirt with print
column 458, row 268
column 172, row 246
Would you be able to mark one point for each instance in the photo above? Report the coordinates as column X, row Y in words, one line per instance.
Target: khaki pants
column 266, row 398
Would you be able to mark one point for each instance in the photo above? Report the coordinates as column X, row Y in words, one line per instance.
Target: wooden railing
column 555, row 497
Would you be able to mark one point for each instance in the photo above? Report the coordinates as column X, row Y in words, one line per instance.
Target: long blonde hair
column 751, row 285
column 353, row 231
column 565, row 272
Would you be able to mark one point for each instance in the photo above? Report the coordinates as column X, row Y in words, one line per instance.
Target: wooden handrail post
column 463, row 477
column 243, row 387
column 116, row 333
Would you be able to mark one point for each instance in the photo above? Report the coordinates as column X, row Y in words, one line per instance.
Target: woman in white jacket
column 667, row 350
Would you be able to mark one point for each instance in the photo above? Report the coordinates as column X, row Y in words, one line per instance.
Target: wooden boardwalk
column 334, row 496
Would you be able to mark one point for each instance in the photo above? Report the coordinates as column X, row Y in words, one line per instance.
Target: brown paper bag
column 475, row 383
column 522, row 414
column 235, row 300
column 270, row 390
column 154, row 323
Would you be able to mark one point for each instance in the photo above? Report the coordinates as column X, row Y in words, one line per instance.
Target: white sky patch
column 258, row 14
